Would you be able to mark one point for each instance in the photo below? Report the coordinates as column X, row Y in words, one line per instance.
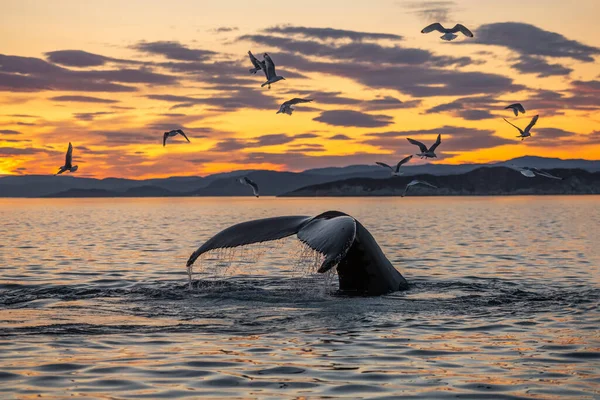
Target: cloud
column 232, row 144
column 239, row 99
column 586, row 87
column 119, row 138
column 224, row 29
column 306, row 148
column 340, row 137
column 353, row 118
column 431, row 11
column 28, row 74
column 83, row 99
column 417, row 81
column 474, row 108
column 474, row 115
column 17, row 151
column 460, row 139
column 9, row 132
column 142, row 75
column 530, row 40
column 173, row 51
column 579, row 97
column 552, row 133
column 306, row 136
column 80, row 58
column 26, row 123
column 389, row 103
column 357, row 52
column 90, row 116
column 540, row 67
column 330, row 33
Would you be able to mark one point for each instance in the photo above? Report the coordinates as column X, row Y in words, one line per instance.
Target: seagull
column 448, row 34
column 525, row 133
column 531, row 172
column 251, row 183
column 395, row 171
column 272, row 77
column 68, row 162
column 516, row 107
column 288, row 106
column 258, row 65
column 416, row 182
column 172, row 133
column 425, row 153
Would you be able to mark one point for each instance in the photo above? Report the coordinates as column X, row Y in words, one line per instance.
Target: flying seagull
column 172, row 133
column 427, row 153
column 68, row 162
column 395, row 171
column 448, row 34
column 516, row 107
column 531, row 172
column 525, row 133
column 258, row 65
column 416, row 182
column 244, row 180
column 288, row 106
column 272, row 77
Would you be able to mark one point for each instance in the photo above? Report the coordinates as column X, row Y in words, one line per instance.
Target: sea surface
column 95, row 301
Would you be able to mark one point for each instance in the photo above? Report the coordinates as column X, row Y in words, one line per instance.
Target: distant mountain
column 350, row 169
column 270, row 183
column 46, row 185
column 140, row 191
column 481, row 181
column 552, row 163
column 226, row 184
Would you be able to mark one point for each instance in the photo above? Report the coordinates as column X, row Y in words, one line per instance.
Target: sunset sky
column 112, row 76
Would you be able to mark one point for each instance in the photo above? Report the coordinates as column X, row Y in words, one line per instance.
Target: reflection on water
column 94, row 301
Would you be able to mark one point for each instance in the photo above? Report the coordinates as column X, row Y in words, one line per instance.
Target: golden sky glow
column 112, row 76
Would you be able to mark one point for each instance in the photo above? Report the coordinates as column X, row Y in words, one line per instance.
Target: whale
column 361, row 266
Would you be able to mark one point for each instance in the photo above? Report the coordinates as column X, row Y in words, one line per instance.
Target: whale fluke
column 362, row 267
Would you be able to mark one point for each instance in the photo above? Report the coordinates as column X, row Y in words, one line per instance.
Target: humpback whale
column 362, row 267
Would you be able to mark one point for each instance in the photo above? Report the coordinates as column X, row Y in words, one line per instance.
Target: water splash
column 303, row 262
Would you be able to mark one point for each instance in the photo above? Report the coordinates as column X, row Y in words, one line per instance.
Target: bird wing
column 546, row 174
column 437, row 143
column 251, row 183
column 514, row 108
column 69, row 156
column 426, row 184
column 254, row 186
column 416, row 142
column 182, row 134
column 532, row 123
column 331, row 237
column 297, row 100
column 407, row 187
column 384, row 165
column 462, row 29
column 514, row 125
column 436, row 26
column 270, row 67
column 257, row 231
column 257, row 64
column 520, row 107
column 165, row 136
column 403, row 161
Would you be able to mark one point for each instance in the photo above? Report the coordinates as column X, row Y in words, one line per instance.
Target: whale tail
column 361, row 265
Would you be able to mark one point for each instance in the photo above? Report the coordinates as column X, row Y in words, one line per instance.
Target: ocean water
column 95, row 301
